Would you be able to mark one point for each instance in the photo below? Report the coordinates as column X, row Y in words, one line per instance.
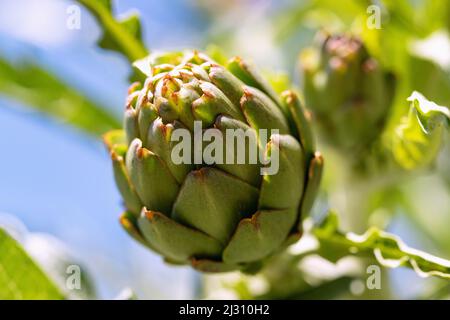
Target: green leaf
column 417, row 139
column 389, row 250
column 20, row 277
column 427, row 74
column 429, row 114
column 43, row 91
column 123, row 36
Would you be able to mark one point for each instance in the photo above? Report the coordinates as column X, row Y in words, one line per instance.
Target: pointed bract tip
column 200, row 173
column 109, row 139
column 317, row 160
column 115, row 156
column 141, row 153
column 134, row 87
column 125, row 222
column 318, row 155
column 289, row 96
column 148, row 213
column 254, row 220
column 208, row 93
column 247, row 93
column 239, row 61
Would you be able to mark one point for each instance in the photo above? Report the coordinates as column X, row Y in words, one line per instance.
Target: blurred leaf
column 402, row 14
column 289, row 20
column 217, row 54
column 60, row 264
column 440, row 292
column 41, row 90
column 429, row 114
column 20, row 277
column 417, row 139
column 434, row 14
column 323, row 12
column 126, row 294
column 333, row 289
column 429, row 78
column 389, row 250
column 288, row 278
column 420, row 17
column 123, row 36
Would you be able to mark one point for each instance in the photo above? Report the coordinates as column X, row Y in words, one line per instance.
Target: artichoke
column 347, row 90
column 217, row 217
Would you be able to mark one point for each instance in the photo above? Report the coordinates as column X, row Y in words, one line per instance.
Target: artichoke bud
column 347, row 90
column 212, row 165
column 166, row 109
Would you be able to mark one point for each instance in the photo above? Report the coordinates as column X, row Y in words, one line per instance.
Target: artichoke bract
column 215, row 216
column 347, row 90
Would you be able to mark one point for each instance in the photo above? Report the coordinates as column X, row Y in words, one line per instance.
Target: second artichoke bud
column 347, row 90
column 215, row 216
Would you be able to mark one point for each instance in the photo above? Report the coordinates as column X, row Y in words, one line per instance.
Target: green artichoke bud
column 347, row 90
column 216, row 216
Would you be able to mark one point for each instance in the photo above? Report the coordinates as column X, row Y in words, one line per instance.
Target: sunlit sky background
column 58, row 180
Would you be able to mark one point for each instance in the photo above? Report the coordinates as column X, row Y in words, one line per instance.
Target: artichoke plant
column 347, row 90
column 217, row 217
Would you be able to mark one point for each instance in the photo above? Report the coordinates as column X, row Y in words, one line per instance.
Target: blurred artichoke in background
column 216, row 217
column 347, row 90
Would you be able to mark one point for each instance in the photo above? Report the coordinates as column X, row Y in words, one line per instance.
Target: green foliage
column 417, row 139
column 43, row 91
column 419, row 18
column 123, row 36
column 389, row 250
column 20, row 277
